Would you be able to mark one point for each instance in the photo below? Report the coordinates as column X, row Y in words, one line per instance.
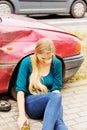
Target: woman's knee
column 56, row 97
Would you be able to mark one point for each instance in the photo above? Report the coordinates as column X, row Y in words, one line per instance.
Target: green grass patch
column 82, row 72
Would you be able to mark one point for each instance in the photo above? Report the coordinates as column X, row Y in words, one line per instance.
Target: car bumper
column 72, row 64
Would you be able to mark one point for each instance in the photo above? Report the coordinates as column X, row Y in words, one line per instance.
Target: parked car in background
column 76, row 8
column 18, row 36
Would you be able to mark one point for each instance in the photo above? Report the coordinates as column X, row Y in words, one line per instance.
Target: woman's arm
column 21, row 103
column 57, row 75
column 21, row 108
column 21, row 89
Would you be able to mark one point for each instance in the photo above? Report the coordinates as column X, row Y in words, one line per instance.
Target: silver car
column 76, row 8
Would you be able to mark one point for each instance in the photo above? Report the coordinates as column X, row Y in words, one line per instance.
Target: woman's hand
column 22, row 120
column 56, row 91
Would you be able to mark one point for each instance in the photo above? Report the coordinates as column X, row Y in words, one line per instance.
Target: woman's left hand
column 56, row 91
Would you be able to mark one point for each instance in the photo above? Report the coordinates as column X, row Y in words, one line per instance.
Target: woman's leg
column 44, row 104
column 60, row 125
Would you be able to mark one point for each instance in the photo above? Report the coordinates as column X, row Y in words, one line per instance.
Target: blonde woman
column 38, row 87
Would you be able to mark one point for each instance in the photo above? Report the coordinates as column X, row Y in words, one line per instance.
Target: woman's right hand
column 21, row 121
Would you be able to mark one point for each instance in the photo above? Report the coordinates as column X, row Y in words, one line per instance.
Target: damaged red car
column 18, row 36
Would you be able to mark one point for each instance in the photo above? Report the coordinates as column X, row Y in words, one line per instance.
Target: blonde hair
column 46, row 46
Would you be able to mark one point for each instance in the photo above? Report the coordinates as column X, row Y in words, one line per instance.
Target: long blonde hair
column 43, row 46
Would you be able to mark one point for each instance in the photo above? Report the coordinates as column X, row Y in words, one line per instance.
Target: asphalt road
column 64, row 22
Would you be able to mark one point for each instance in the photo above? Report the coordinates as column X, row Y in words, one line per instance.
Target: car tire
column 13, row 92
column 6, row 7
column 4, row 106
column 12, row 85
column 78, row 9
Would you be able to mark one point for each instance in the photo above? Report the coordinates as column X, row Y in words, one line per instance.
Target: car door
column 29, row 6
column 53, row 6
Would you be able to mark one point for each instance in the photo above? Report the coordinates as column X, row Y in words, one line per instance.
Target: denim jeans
column 47, row 107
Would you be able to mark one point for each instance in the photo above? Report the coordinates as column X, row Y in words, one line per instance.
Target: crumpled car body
column 18, row 36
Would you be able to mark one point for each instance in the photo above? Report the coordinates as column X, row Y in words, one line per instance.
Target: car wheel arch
column 12, row 83
column 63, row 66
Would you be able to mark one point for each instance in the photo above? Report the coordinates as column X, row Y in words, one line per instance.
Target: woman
column 38, row 87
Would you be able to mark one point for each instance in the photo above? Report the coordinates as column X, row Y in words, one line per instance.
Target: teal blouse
column 53, row 80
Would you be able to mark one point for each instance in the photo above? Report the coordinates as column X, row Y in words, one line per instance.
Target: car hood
column 18, row 36
column 20, row 21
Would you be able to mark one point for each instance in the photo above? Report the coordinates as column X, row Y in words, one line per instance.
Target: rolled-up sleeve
column 57, row 75
column 23, row 75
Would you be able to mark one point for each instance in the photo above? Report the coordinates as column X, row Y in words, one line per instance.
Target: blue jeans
column 47, row 106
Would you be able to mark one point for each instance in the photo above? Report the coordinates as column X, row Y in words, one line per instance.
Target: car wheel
column 11, row 90
column 6, row 7
column 78, row 9
column 4, row 105
column 13, row 93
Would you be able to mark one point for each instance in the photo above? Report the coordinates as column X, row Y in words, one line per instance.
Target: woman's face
column 45, row 58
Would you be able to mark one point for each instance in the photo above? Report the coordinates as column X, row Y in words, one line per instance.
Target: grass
column 82, row 72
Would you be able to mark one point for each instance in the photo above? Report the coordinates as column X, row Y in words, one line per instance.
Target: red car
column 18, row 36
